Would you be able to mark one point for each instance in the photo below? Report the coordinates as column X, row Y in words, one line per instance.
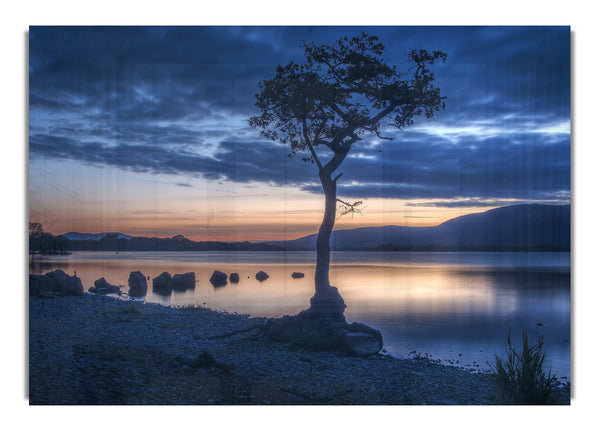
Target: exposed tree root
column 318, row 332
column 239, row 331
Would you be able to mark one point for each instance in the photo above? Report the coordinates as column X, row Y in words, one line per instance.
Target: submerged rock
column 218, row 279
column 234, row 277
column 297, row 275
column 138, row 286
column 162, row 284
column 103, row 287
column 181, row 282
column 261, row 276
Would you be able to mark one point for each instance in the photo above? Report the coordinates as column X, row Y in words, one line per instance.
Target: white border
column 580, row 15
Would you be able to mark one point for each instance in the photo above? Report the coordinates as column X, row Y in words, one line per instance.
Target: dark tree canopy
column 325, row 105
column 342, row 92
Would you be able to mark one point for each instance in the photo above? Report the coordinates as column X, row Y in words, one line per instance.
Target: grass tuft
column 521, row 378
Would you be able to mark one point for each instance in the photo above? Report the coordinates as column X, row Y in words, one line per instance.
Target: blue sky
column 144, row 130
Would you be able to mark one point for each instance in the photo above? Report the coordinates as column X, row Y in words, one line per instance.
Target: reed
column 521, row 377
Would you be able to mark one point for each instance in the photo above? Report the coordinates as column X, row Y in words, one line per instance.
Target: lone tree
column 322, row 107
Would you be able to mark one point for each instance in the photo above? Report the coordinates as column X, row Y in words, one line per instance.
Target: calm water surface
column 456, row 307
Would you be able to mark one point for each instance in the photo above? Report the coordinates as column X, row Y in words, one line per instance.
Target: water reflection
column 455, row 306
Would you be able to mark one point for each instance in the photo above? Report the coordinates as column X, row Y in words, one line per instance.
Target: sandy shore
column 97, row 350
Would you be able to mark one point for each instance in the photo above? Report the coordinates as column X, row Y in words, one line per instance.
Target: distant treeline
column 41, row 242
column 111, row 242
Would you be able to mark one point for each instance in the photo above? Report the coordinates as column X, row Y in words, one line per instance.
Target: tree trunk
column 327, row 299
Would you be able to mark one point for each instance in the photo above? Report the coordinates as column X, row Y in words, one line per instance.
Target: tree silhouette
column 35, row 229
column 323, row 107
column 44, row 242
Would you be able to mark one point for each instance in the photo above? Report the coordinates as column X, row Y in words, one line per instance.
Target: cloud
column 175, row 100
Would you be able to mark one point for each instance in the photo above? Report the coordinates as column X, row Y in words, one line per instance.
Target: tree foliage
column 342, row 92
column 41, row 242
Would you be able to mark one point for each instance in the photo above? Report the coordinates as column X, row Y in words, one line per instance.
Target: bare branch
column 349, row 208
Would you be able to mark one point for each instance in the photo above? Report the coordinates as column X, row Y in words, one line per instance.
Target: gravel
column 93, row 349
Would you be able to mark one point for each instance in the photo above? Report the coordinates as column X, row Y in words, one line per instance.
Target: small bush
column 522, row 379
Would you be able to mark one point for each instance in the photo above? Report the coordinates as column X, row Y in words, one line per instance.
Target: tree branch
column 347, row 207
column 309, row 145
column 336, row 160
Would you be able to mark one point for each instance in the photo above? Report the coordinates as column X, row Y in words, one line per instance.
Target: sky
column 143, row 130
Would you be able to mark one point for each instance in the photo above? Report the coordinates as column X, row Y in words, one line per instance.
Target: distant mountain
column 511, row 228
column 76, row 236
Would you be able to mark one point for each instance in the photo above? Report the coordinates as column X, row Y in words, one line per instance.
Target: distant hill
column 76, row 236
column 114, row 241
column 517, row 227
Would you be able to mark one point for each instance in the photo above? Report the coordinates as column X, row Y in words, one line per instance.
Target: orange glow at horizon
column 263, row 221
column 92, row 200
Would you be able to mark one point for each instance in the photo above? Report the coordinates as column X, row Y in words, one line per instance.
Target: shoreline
column 92, row 349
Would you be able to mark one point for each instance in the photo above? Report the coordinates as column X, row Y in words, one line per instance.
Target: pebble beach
column 93, row 349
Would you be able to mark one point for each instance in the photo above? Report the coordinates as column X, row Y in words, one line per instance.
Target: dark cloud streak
column 173, row 100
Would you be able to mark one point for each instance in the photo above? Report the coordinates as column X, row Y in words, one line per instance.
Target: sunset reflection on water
column 456, row 307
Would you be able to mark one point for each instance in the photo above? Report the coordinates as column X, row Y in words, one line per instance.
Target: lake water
column 455, row 307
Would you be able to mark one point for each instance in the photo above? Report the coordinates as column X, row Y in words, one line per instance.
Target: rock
column 162, row 284
column 361, row 327
column 55, row 282
column 297, row 275
column 218, row 279
column 361, row 344
column 66, row 284
column 40, row 285
column 137, row 284
column 204, row 360
column 103, row 287
column 261, row 276
column 325, row 332
column 234, row 277
column 181, row 282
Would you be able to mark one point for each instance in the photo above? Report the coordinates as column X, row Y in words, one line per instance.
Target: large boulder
column 55, row 282
column 261, row 276
column 360, row 344
column 66, row 284
column 138, row 286
column 181, row 282
column 319, row 332
column 361, row 340
column 234, row 277
column 357, row 327
column 218, row 279
column 103, row 287
column 162, row 284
